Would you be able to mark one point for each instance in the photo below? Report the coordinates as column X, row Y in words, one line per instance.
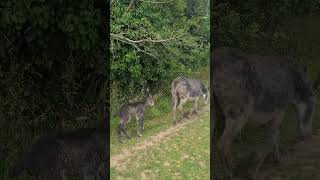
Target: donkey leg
column 138, row 120
column 233, row 126
column 305, row 111
column 275, row 136
column 195, row 106
column 182, row 102
column 120, row 133
column 272, row 146
column 124, row 130
column 174, row 110
column 142, row 121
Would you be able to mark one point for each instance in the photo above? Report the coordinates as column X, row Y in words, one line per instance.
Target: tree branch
column 129, row 7
column 141, row 40
column 154, row 2
column 138, row 48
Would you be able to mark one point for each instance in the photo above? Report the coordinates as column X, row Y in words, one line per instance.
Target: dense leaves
column 154, row 41
column 254, row 24
column 53, row 69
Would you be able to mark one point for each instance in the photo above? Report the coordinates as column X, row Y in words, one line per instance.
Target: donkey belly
column 193, row 98
column 260, row 118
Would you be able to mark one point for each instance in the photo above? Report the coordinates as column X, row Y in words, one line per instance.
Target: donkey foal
column 133, row 109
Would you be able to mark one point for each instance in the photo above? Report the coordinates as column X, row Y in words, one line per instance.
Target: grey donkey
column 135, row 109
column 77, row 153
column 184, row 89
column 258, row 89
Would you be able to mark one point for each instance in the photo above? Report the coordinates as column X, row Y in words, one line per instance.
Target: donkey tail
column 174, row 96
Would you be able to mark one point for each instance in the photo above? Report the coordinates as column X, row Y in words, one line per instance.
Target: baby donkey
column 133, row 109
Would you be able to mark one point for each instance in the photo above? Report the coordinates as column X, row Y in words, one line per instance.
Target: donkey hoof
column 227, row 177
column 280, row 159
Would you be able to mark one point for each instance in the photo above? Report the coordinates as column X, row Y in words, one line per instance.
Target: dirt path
column 118, row 161
column 303, row 163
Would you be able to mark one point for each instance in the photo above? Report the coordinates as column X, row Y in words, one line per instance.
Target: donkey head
column 149, row 98
column 205, row 94
column 306, row 109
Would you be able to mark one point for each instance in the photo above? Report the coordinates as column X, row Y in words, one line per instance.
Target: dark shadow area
column 54, row 95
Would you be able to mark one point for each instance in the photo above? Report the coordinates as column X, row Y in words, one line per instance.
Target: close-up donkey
column 81, row 152
column 258, row 89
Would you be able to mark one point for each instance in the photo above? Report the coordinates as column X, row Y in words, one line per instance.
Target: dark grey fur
column 254, row 88
column 136, row 109
column 184, row 89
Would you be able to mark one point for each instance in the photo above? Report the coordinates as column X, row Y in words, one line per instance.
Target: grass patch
column 184, row 155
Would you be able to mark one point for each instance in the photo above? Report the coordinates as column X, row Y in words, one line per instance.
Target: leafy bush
column 153, row 42
column 53, row 69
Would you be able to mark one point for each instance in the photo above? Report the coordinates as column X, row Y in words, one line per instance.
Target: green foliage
column 151, row 43
column 254, row 24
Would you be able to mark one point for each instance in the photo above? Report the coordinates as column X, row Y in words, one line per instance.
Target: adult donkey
column 185, row 89
column 254, row 88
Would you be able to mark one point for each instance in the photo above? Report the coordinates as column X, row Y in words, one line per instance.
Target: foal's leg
column 124, row 120
column 125, row 132
column 142, row 121
column 232, row 128
column 120, row 132
column 138, row 120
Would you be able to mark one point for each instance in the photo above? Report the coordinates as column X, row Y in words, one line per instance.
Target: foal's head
column 149, row 99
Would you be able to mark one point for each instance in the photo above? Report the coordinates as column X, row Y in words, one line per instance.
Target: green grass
column 184, row 155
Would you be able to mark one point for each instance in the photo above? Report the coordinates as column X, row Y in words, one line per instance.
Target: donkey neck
column 141, row 103
column 144, row 101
